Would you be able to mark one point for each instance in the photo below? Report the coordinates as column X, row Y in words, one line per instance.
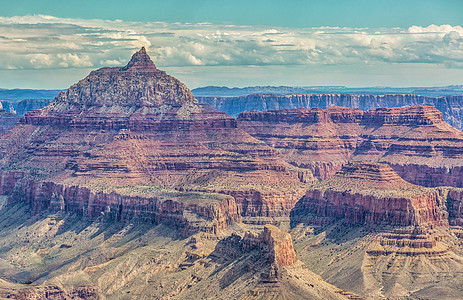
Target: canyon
column 415, row 141
column 130, row 127
column 367, row 229
column 125, row 186
column 7, row 120
column 450, row 105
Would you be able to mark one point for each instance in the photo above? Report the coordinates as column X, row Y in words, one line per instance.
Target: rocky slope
column 415, row 140
column 136, row 126
column 367, row 229
column 65, row 257
column 450, row 106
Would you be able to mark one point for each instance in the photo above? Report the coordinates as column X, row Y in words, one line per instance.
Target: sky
column 357, row 43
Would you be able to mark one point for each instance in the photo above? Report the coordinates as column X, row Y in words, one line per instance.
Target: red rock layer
column 415, row 140
column 177, row 209
column 371, row 194
column 450, row 106
column 281, row 245
column 272, row 244
column 138, row 126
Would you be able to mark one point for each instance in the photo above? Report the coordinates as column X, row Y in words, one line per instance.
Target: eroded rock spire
column 140, row 60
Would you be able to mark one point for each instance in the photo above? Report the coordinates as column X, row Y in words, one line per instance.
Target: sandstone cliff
column 415, row 141
column 450, row 106
column 367, row 230
column 371, row 194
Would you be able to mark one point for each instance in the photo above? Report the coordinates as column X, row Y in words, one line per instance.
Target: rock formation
column 450, row 106
column 24, row 106
column 265, row 266
column 415, row 141
column 371, row 194
column 380, row 236
column 136, row 126
column 7, row 120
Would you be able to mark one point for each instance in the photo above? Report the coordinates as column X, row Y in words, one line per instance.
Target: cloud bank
column 46, row 42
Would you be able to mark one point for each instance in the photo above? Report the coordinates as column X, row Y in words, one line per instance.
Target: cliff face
column 371, row 194
column 280, row 245
column 22, row 107
column 189, row 212
column 7, row 120
column 415, row 141
column 137, row 126
column 455, row 207
column 450, row 106
column 275, row 246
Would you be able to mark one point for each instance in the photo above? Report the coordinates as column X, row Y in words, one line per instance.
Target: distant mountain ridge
column 23, row 106
column 450, row 106
column 14, row 95
column 223, row 91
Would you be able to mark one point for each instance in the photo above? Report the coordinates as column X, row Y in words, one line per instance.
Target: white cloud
column 47, row 42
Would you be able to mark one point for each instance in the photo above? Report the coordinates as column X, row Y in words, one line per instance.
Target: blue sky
column 52, row 44
column 285, row 13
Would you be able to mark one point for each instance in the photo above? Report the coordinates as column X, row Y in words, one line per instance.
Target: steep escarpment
column 415, row 141
column 137, row 126
column 450, row 106
column 371, row 194
column 188, row 212
column 369, row 230
column 22, row 107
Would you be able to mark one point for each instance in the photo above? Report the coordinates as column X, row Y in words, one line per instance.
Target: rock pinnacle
column 140, row 60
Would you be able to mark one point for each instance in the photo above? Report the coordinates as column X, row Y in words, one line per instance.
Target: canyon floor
column 61, row 256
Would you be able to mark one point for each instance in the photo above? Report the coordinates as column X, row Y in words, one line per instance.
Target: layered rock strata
column 189, row 212
column 449, row 106
column 370, row 194
column 412, row 241
column 415, row 140
column 137, row 126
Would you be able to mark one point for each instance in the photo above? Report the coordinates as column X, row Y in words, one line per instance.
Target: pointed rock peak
column 140, row 60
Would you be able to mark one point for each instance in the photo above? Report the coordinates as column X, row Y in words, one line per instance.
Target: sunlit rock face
column 371, row 194
column 415, row 141
column 136, row 126
column 450, row 106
